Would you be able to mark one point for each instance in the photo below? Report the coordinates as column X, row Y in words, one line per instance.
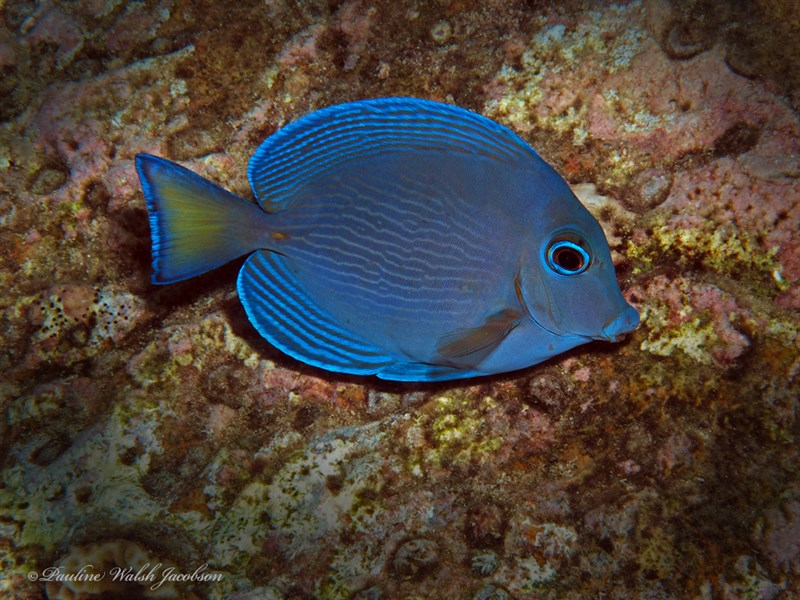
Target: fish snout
column 620, row 324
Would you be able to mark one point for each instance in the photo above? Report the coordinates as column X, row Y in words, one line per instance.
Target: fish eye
column 568, row 256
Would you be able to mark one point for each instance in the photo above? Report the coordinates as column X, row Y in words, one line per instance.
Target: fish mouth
column 620, row 324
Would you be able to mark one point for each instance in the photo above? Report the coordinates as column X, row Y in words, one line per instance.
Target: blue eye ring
column 567, row 256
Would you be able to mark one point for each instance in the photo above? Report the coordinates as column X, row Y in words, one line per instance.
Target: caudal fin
column 195, row 225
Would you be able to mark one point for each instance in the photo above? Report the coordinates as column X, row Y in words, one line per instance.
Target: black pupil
column 568, row 259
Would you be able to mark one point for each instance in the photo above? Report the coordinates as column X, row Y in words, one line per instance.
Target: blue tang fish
column 402, row 238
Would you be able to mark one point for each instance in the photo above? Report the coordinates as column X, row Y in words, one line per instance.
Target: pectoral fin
column 466, row 348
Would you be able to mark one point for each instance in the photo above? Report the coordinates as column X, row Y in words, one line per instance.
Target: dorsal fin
column 322, row 140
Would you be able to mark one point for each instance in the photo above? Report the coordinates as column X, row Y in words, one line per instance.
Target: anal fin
column 282, row 312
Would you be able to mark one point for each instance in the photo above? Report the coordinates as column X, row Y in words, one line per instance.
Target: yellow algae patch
column 725, row 250
column 452, row 432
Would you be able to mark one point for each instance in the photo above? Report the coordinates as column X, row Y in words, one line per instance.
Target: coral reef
column 151, row 425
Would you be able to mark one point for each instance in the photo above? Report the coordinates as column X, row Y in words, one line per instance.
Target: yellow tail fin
column 195, row 225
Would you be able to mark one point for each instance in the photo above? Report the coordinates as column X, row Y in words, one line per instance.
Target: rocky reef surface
column 151, row 429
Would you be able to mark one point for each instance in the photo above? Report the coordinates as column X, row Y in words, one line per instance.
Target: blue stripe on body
column 400, row 297
column 349, row 235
